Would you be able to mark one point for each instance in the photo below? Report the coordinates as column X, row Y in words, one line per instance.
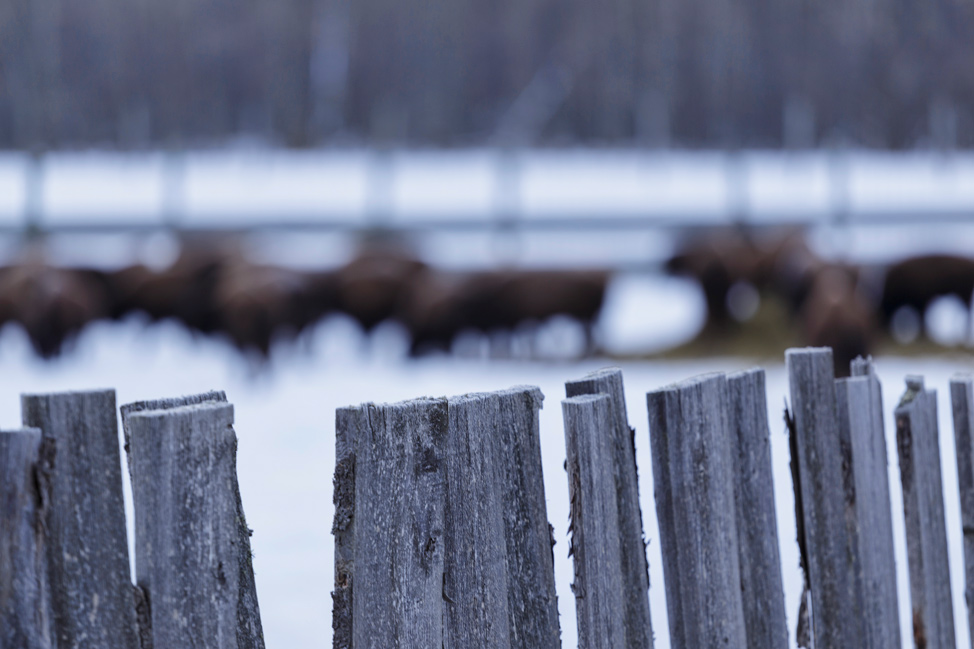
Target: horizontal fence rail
column 441, row 529
column 478, row 190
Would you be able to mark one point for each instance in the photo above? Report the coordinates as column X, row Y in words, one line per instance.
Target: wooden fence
column 441, row 531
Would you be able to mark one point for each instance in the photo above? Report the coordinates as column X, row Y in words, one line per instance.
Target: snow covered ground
column 285, row 423
column 285, row 416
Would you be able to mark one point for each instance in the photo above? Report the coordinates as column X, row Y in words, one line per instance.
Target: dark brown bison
column 441, row 305
column 717, row 260
column 52, row 304
column 184, row 291
column 837, row 315
column 255, row 303
column 371, row 286
column 917, row 281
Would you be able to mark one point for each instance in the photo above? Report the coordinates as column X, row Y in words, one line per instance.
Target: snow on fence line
column 441, row 531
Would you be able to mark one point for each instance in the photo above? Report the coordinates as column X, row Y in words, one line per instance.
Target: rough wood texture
column 532, row 602
column 598, row 587
column 399, row 500
column 441, row 533
column 860, row 403
column 836, row 611
column 351, row 424
column 631, row 539
column 918, row 445
column 88, row 559
column 163, row 404
column 192, row 545
column 757, row 527
column 962, row 404
column 475, row 578
column 25, row 598
column 694, row 485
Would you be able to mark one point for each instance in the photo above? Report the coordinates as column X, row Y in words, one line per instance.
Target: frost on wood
column 193, row 557
column 860, row 408
column 630, row 536
column 826, row 484
column 694, row 481
column 441, row 537
column 918, row 446
column 88, row 559
column 962, row 405
column 25, row 598
column 598, row 587
column 762, row 592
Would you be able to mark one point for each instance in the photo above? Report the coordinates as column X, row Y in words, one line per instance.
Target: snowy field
column 285, row 424
column 285, row 414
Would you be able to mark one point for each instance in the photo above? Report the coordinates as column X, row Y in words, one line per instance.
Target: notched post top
column 914, row 386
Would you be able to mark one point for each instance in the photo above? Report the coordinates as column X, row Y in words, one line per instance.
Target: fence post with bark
column 620, row 457
column 64, row 562
column 449, row 494
column 918, row 445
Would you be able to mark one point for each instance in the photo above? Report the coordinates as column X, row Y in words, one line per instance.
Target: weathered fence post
column 532, row 601
column 694, row 481
column 599, row 587
column 441, row 535
column 25, row 597
column 962, row 403
column 88, row 560
column 860, row 403
column 192, row 545
column 825, row 482
column 918, row 444
column 394, row 519
column 762, row 592
column 631, row 540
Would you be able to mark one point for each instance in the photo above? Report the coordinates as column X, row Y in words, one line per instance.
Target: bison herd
column 841, row 305
column 218, row 290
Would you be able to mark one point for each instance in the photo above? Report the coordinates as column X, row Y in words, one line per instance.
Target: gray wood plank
column 88, row 559
column 918, row 447
column 399, row 501
column 762, row 592
column 962, row 405
column 476, row 580
column 350, row 425
column 860, row 403
column 631, row 538
column 163, row 404
column 25, row 599
column 836, row 609
column 532, row 601
column 689, row 436
column 193, row 556
column 598, row 587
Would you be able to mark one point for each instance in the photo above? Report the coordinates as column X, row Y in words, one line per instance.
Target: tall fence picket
column 918, row 445
column 762, row 592
column 825, row 485
column 962, row 405
column 25, row 597
column 88, row 559
column 396, row 566
column 860, row 408
column 598, row 587
column 450, row 493
column 631, row 539
column 694, row 480
column 193, row 557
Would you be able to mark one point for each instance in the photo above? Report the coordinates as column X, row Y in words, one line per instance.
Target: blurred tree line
column 727, row 73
